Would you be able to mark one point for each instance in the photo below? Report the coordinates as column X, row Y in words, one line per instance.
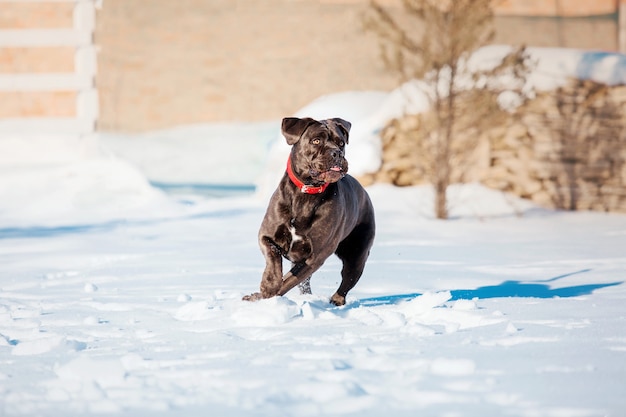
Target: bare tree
column 433, row 40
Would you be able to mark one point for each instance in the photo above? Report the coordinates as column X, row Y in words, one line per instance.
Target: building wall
column 566, row 8
column 164, row 63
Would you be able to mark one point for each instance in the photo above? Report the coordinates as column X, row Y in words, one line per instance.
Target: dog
column 317, row 210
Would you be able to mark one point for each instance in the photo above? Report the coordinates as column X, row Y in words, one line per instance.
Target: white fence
column 81, row 80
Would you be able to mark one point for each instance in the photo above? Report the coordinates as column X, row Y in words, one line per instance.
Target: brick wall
column 164, row 63
column 567, row 8
column 47, row 67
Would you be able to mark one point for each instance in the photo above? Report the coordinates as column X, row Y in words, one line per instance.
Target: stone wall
column 564, row 149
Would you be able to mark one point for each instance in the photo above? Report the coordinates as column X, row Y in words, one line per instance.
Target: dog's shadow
column 523, row 289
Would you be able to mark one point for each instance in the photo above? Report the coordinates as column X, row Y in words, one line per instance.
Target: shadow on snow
column 55, row 231
column 532, row 289
column 206, row 190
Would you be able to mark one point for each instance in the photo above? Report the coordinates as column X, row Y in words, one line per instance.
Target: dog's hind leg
column 353, row 252
column 305, row 286
column 299, row 273
column 350, row 275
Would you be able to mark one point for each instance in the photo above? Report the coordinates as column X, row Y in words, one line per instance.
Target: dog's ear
column 293, row 128
column 344, row 125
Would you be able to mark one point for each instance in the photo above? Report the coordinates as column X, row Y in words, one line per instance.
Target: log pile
column 564, row 149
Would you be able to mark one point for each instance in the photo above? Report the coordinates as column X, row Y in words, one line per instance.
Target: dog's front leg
column 273, row 273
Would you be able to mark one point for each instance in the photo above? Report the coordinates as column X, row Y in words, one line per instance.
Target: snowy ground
column 119, row 299
column 503, row 315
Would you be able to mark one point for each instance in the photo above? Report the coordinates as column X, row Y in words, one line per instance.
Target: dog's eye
column 341, row 144
column 316, row 141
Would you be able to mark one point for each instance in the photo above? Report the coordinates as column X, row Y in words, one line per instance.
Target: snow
column 118, row 298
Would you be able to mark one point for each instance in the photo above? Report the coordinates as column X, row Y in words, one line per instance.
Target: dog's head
column 317, row 152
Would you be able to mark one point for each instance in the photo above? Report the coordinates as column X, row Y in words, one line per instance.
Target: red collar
column 307, row 189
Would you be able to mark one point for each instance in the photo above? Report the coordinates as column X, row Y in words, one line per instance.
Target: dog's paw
column 338, row 300
column 252, row 297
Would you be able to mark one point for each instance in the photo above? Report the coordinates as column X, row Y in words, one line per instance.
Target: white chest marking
column 294, row 236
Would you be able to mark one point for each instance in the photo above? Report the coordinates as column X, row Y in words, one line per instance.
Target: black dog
column 316, row 211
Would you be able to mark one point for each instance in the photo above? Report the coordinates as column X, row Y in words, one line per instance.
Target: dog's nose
column 336, row 153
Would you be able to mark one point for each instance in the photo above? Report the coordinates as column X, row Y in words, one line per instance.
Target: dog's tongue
column 334, row 174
